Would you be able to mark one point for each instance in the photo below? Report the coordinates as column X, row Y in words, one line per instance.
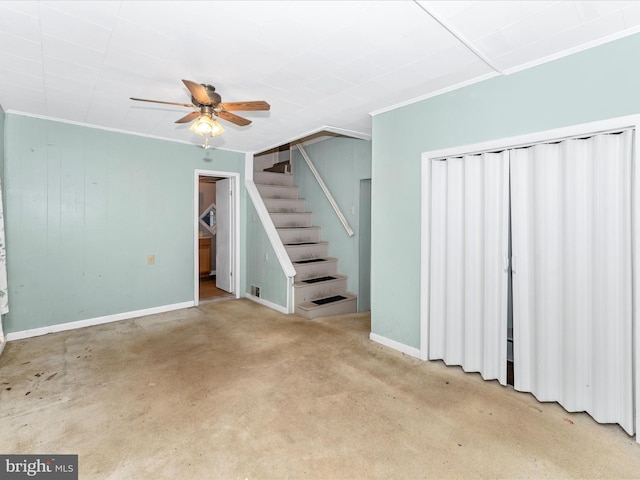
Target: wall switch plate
column 151, row 259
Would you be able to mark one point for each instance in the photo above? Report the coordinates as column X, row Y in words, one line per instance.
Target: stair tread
column 304, row 244
column 316, row 280
column 291, row 228
column 316, row 260
column 330, row 300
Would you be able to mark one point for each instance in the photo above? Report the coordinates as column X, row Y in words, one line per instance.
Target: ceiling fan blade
column 198, row 92
column 160, row 101
column 233, row 118
column 189, row 118
column 246, row 106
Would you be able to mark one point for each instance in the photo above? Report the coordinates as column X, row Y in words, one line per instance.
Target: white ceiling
column 320, row 64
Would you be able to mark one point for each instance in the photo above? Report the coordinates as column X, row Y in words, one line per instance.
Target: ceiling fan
column 209, row 103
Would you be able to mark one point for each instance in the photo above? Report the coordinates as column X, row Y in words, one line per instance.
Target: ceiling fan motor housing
column 211, row 93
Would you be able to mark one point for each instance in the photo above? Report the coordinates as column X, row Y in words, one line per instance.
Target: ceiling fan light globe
column 216, row 128
column 202, row 126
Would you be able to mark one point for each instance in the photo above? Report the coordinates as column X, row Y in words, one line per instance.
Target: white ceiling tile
column 493, row 45
column 357, row 71
column 328, row 84
column 316, row 62
column 556, row 18
column 22, row 99
column 101, row 13
column 126, row 60
column 26, row 66
column 139, row 38
column 54, row 67
column 18, row 78
column 591, row 10
column 20, row 46
column 66, row 27
column 71, row 53
column 27, row 7
column 19, row 23
column 446, row 8
column 631, row 15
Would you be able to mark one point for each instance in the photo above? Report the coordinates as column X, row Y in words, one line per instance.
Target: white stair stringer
column 318, row 289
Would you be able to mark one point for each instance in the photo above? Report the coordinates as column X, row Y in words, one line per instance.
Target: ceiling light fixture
column 206, row 125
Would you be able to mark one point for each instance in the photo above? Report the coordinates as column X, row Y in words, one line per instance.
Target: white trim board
column 267, row 303
column 116, row 317
column 400, row 347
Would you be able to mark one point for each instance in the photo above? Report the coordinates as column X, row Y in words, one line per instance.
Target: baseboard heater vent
column 324, row 301
column 312, row 260
column 319, row 279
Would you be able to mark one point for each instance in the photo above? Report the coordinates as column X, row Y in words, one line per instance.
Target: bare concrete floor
column 235, row 390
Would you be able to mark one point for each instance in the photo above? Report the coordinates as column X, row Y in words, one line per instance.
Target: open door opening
column 216, row 250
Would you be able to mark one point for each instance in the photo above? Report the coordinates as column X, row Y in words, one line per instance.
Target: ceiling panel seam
column 461, row 38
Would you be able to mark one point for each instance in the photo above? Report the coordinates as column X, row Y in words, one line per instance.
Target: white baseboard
column 267, row 303
column 61, row 327
column 401, row 347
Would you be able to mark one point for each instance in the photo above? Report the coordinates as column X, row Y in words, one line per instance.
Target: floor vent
column 319, row 279
column 313, row 260
column 324, row 301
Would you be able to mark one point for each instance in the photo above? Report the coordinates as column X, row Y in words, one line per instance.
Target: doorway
column 364, row 263
column 216, row 236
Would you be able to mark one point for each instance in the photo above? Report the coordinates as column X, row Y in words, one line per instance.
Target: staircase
column 318, row 289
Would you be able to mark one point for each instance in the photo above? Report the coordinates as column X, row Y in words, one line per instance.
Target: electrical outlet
column 151, row 259
column 266, row 256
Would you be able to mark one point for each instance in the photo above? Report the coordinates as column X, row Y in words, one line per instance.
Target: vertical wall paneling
column 86, row 207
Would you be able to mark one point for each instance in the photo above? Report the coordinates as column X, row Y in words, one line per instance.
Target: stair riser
column 305, row 252
column 273, row 178
column 299, row 235
column 292, row 219
column 338, row 308
column 284, row 205
column 313, row 270
column 313, row 291
column 274, row 191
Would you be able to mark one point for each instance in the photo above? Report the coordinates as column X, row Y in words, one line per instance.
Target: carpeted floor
column 234, row 390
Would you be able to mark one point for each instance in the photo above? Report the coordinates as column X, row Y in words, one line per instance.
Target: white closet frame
column 585, row 129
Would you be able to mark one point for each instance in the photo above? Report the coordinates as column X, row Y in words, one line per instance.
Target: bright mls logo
column 50, row 467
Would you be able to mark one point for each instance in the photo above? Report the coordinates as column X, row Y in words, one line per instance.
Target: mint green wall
column 85, row 207
column 342, row 162
column 596, row 84
column 2, row 115
column 262, row 272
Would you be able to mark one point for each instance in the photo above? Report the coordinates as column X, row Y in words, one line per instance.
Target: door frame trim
column 235, row 243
